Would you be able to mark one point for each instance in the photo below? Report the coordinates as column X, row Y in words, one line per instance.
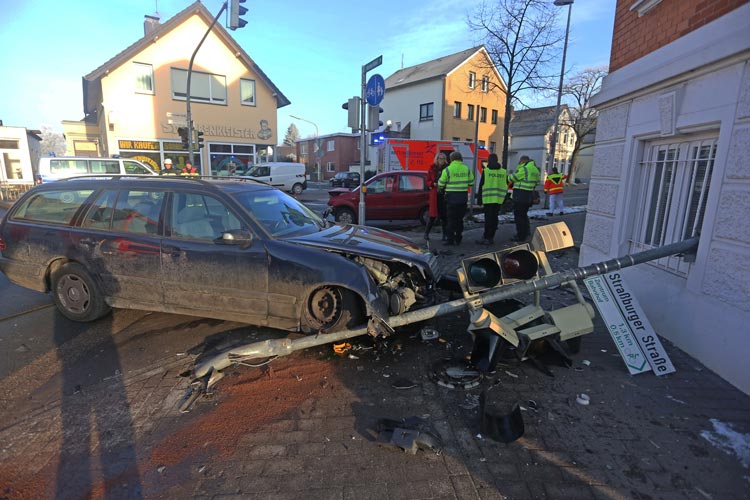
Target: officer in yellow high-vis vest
column 492, row 190
column 524, row 180
column 456, row 180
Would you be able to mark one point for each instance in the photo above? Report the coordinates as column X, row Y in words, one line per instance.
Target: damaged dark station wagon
column 231, row 249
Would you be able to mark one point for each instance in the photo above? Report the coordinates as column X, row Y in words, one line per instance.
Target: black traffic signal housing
column 235, row 11
column 183, row 133
column 198, row 143
column 500, row 268
column 352, row 106
column 373, row 118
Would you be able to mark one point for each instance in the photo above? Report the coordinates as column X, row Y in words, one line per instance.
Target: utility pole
column 189, row 117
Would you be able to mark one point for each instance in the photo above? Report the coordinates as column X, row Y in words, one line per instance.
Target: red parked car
column 400, row 195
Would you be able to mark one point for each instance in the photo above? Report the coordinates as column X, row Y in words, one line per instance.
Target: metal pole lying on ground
column 285, row 346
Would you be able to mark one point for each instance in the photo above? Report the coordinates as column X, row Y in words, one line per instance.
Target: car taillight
column 38, row 179
column 2, row 244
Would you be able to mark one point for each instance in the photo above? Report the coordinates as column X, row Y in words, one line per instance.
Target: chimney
column 150, row 24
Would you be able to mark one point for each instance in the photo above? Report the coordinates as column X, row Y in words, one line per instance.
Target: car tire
column 345, row 216
column 329, row 309
column 76, row 294
column 297, row 189
column 424, row 216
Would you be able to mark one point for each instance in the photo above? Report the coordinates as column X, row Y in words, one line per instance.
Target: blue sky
column 312, row 51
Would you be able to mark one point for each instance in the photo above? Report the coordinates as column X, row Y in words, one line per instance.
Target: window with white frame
column 144, row 78
column 470, row 112
column 204, row 87
column 674, row 181
column 330, row 167
column 247, row 92
column 485, row 83
column 457, row 109
column 330, row 145
column 472, row 79
column 426, row 112
column 493, row 146
column 303, row 148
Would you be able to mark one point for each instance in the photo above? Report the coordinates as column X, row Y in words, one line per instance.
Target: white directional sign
column 624, row 339
column 633, row 335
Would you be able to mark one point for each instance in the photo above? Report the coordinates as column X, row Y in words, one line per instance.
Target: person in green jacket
column 492, row 190
column 524, row 180
column 456, row 180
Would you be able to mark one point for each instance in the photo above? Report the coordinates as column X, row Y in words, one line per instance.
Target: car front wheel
column 330, row 309
column 297, row 189
column 76, row 294
column 345, row 216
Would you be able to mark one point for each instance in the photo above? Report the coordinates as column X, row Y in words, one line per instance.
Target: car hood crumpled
column 370, row 242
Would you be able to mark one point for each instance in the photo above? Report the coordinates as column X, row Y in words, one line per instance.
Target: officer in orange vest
column 554, row 187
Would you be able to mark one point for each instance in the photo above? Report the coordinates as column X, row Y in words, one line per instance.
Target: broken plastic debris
column 586, row 362
column 583, row 399
column 511, row 374
column 342, row 347
column 352, row 356
column 403, row 383
column 429, row 333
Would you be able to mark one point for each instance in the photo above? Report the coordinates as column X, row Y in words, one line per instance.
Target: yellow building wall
column 457, row 89
column 127, row 114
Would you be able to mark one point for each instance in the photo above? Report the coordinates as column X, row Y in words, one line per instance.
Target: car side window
column 410, row 183
column 200, row 217
column 134, row 168
column 99, row 215
column 105, row 166
column 384, row 184
column 57, row 206
column 137, row 212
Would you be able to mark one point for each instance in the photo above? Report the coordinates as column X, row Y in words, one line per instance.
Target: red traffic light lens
column 520, row 265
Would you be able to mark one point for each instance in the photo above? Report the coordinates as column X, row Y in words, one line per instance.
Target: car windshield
column 279, row 213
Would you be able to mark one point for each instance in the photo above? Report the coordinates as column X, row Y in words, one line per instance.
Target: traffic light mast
column 236, row 11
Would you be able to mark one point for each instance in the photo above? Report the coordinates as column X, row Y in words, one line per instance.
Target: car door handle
column 89, row 242
column 174, row 251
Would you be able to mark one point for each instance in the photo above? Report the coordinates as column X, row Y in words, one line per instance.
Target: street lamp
column 316, row 137
column 560, row 3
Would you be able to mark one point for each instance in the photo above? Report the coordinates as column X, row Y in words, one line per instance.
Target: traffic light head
column 198, row 139
column 493, row 269
column 183, row 133
column 235, row 11
column 352, row 106
column 373, row 118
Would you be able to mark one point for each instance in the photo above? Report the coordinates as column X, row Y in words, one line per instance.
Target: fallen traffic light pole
column 207, row 372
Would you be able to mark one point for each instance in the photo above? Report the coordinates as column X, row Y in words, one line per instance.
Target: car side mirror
column 239, row 237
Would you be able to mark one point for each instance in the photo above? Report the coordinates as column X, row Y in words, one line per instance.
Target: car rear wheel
column 76, row 294
column 424, row 216
column 345, row 216
column 329, row 309
column 297, row 189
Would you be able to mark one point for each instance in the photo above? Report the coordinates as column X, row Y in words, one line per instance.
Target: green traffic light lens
column 484, row 272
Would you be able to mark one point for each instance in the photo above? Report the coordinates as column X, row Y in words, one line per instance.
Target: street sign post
column 363, row 135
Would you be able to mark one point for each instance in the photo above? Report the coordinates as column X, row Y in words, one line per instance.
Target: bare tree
column 523, row 40
column 53, row 142
column 580, row 88
column 292, row 134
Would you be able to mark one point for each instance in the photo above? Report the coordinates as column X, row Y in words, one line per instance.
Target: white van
column 62, row 167
column 285, row 176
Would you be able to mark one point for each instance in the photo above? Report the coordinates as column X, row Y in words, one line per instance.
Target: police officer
column 456, row 180
column 492, row 190
column 524, row 180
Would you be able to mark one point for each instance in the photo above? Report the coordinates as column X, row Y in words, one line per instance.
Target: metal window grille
column 674, row 182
